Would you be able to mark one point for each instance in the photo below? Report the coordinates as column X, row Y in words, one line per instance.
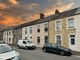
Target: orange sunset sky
column 15, row 12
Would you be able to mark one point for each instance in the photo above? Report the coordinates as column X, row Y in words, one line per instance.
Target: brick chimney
column 42, row 16
column 57, row 11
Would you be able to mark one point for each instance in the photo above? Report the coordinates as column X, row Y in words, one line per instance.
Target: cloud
column 14, row 2
column 29, row 7
column 32, row 6
column 61, row 6
column 70, row 5
column 10, row 21
column 2, row 6
column 14, row 12
column 18, row 14
column 32, row 17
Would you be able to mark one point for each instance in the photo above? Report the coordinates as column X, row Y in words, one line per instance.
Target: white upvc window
column 45, row 27
column 30, row 29
column 58, row 25
column 70, row 23
column 38, row 28
column 25, row 30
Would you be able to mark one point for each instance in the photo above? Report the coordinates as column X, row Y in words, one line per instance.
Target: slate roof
column 68, row 13
column 52, row 17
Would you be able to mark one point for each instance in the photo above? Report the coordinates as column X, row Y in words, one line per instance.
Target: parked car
column 7, row 53
column 2, row 42
column 54, row 48
column 26, row 44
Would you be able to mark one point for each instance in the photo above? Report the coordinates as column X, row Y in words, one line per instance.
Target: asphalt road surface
column 38, row 54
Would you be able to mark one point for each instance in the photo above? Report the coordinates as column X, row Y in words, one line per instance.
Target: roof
column 7, row 29
column 52, row 17
column 26, row 24
column 68, row 13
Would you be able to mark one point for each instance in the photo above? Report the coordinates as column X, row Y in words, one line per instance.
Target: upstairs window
column 25, row 30
column 45, row 27
column 30, row 29
column 9, row 33
column 58, row 25
column 71, row 23
column 38, row 28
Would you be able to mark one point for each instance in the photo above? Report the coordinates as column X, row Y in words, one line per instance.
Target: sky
column 16, row 12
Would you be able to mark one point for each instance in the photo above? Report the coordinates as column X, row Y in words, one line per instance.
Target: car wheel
column 62, row 53
column 18, row 46
column 26, row 47
column 44, row 50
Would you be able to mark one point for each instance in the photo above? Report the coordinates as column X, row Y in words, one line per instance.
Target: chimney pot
column 42, row 16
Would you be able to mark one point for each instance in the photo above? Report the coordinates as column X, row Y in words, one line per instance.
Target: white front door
column 72, row 42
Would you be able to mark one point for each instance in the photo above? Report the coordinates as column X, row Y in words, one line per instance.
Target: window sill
column 71, row 28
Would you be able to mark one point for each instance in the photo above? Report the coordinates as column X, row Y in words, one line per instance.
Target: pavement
column 75, row 53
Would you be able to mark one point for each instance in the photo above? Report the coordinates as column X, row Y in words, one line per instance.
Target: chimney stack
column 57, row 11
column 42, row 16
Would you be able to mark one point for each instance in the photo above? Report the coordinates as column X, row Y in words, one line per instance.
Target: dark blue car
column 54, row 48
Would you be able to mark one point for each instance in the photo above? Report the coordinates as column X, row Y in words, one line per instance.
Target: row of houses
column 61, row 28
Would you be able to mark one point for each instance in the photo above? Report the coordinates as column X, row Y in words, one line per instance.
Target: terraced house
column 64, row 29
column 61, row 28
column 36, row 31
column 8, row 35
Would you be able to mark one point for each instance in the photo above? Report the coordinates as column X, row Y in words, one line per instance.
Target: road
column 38, row 54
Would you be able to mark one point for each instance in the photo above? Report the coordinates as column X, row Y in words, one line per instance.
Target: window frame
column 59, row 25
column 30, row 29
column 68, row 23
column 26, row 30
column 38, row 40
column 72, row 37
column 46, row 27
column 38, row 28
column 46, row 41
column 56, row 39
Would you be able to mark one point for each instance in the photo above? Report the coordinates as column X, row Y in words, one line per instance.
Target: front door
column 72, row 42
column 46, row 39
column 58, row 39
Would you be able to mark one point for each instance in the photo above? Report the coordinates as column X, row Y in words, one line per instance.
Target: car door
column 55, row 49
column 50, row 48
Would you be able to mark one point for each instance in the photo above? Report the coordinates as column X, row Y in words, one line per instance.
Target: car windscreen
column 5, row 48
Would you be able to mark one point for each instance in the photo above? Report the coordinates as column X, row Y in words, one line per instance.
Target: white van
column 7, row 53
column 26, row 44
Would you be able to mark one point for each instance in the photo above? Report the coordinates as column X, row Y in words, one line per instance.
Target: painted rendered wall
column 28, row 35
column 6, row 36
column 17, row 35
column 41, row 34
